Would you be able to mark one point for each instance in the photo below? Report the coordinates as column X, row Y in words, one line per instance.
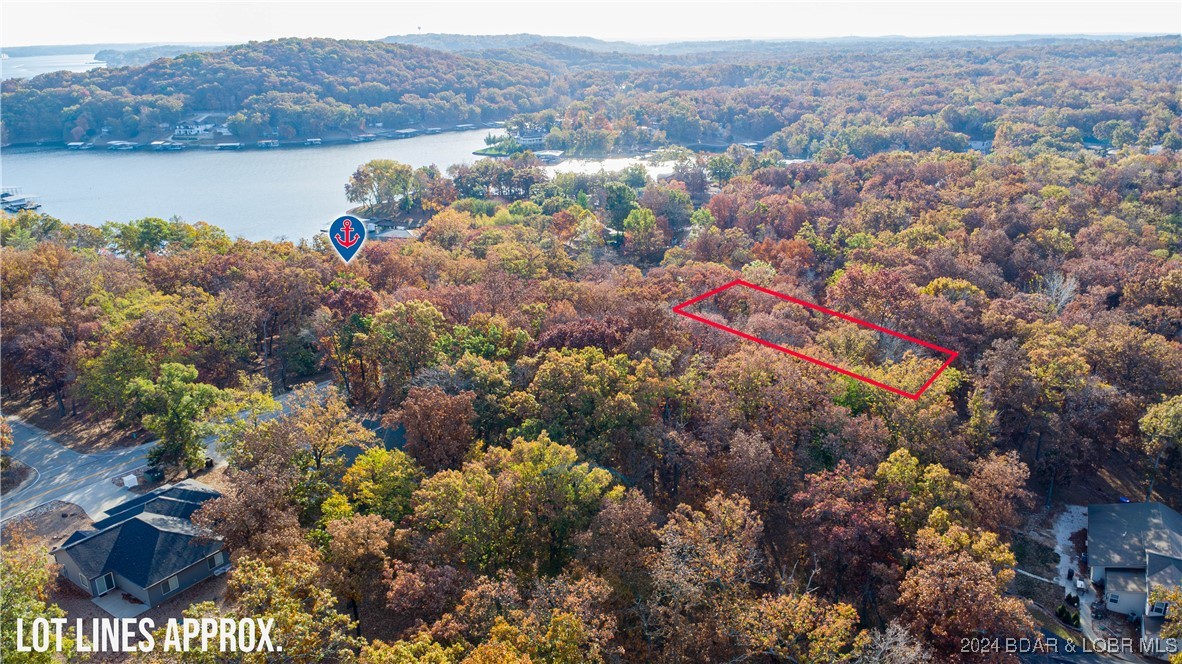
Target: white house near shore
column 1134, row 548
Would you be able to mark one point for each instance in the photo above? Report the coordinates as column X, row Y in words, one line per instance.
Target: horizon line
column 633, row 42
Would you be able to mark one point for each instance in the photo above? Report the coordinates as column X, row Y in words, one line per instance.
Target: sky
column 48, row 22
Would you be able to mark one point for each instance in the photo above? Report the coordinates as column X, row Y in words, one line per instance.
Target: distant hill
column 63, row 49
column 556, row 57
column 450, row 42
column 504, row 43
column 295, row 87
column 142, row 56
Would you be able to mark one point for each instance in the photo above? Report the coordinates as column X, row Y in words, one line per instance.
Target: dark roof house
column 1134, row 548
column 1121, row 535
column 147, row 546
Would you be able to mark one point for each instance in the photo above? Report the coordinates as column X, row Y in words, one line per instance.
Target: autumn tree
column 643, row 238
column 800, row 628
column 584, row 397
column 957, row 588
column 380, row 184
column 439, row 433
column 517, row 508
column 894, row 645
column 6, row 439
column 1172, row 624
column 402, row 338
column 619, row 540
column 913, row 491
column 323, row 424
column 606, row 334
column 380, row 482
column 703, row 573
column 705, row 603
column 1162, row 426
column 850, row 530
column 356, row 560
column 308, row 627
column 26, row 575
column 997, row 488
column 256, row 514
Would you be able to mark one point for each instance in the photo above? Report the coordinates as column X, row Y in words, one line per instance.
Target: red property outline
column 952, row 355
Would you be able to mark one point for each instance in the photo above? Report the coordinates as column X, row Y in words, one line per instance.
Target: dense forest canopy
column 303, row 85
column 142, row 56
column 807, row 99
column 588, row 477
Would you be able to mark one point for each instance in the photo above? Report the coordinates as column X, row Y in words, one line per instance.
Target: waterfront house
column 147, row 547
column 531, row 139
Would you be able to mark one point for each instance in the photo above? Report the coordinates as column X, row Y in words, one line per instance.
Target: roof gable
column 1163, row 571
column 147, row 539
column 1121, row 535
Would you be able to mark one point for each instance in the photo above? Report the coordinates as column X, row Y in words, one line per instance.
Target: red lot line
column 680, row 309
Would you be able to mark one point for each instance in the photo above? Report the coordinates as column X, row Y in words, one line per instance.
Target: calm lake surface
column 289, row 193
column 257, row 194
column 28, row 67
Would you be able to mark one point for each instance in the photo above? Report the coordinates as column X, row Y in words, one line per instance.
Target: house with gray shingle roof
column 147, row 547
column 1134, row 548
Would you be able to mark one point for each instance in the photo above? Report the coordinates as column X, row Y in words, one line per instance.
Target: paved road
column 83, row 479
column 60, row 473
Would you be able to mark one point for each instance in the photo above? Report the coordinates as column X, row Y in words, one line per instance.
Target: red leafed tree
column 849, row 530
column 439, row 430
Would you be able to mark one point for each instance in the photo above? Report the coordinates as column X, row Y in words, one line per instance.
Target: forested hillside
column 142, row 56
column 301, row 85
column 574, row 472
column 822, row 100
column 587, row 476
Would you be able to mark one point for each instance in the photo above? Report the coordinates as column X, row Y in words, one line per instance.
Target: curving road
column 60, row 473
column 83, row 479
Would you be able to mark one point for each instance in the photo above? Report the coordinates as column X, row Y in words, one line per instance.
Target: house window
column 84, row 581
column 1114, row 599
column 171, row 584
column 217, row 559
column 1158, row 608
column 105, row 583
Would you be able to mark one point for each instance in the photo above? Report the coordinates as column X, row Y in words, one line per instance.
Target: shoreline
column 29, row 148
column 242, row 145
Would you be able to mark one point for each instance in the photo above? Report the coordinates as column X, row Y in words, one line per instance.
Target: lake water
column 257, row 194
column 28, row 67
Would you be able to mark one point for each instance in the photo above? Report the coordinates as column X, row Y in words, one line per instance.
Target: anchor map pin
column 347, row 234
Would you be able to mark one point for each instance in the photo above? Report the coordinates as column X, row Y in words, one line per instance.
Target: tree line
column 819, row 101
column 295, row 87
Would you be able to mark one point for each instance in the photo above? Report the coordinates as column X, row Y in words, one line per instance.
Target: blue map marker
column 347, row 235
